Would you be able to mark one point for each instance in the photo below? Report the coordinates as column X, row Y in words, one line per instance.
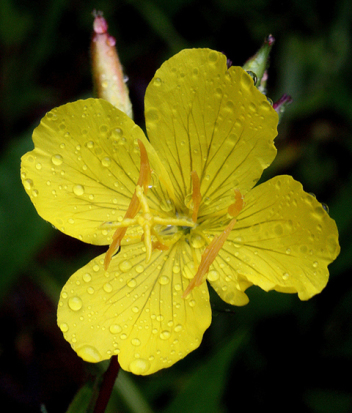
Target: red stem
column 107, row 385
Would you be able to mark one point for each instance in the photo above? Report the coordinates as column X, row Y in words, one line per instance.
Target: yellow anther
column 133, row 208
column 236, row 208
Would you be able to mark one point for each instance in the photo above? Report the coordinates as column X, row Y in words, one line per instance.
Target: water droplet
column 197, row 241
column 163, row 280
column 135, row 342
column 213, row 275
column 38, row 166
column 132, row 283
column 315, row 264
column 164, row 335
column 96, row 267
column 125, row 266
column 28, row 184
column 115, row 329
column 286, row 276
column 107, row 287
column 57, row 160
column 177, row 287
column 106, row 162
column 87, row 277
column 90, row 144
column 213, row 56
column 139, row 366
column 34, row 193
column 135, row 309
column 325, row 207
column 63, row 327
column 192, row 303
column 75, row 303
column 176, row 269
column 157, row 81
column 253, row 76
column 78, row 190
column 139, row 269
column 89, row 353
column 178, row 328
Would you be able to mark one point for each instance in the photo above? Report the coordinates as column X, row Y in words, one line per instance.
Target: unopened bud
column 259, row 63
column 109, row 80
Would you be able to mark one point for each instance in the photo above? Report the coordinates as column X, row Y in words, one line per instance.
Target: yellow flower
column 182, row 206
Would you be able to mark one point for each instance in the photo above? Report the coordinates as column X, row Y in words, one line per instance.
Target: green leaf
column 202, row 393
column 84, row 399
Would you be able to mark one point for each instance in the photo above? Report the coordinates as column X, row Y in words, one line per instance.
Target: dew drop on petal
column 125, row 266
column 107, row 287
column 286, row 276
column 132, row 283
column 139, row 366
column 115, row 329
column 63, row 327
column 135, row 342
column 75, row 303
column 139, row 269
column 57, row 160
column 28, row 184
column 213, row 275
column 213, row 56
column 89, row 353
column 87, row 277
column 78, row 190
column 106, row 162
column 164, row 335
column 163, row 280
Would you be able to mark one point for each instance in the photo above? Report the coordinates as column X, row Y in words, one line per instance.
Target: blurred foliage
column 276, row 352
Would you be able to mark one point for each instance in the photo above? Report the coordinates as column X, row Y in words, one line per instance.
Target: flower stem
column 107, row 385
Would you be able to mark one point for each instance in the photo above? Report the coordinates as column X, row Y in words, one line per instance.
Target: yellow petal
column 203, row 117
column 83, row 171
column 283, row 240
column 135, row 310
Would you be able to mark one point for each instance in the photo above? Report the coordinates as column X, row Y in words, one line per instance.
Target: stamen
column 236, row 208
column 196, row 195
column 208, row 256
column 133, row 208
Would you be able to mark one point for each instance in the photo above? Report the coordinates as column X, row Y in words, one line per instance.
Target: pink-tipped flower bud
column 258, row 64
column 108, row 78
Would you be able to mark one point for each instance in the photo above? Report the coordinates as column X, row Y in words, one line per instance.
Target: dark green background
column 275, row 353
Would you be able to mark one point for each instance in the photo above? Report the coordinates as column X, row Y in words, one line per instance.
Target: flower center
column 160, row 232
column 145, row 219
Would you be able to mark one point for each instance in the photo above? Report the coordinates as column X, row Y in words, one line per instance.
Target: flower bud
column 258, row 64
column 108, row 78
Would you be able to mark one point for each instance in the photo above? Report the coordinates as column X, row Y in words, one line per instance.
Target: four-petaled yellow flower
column 182, row 207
